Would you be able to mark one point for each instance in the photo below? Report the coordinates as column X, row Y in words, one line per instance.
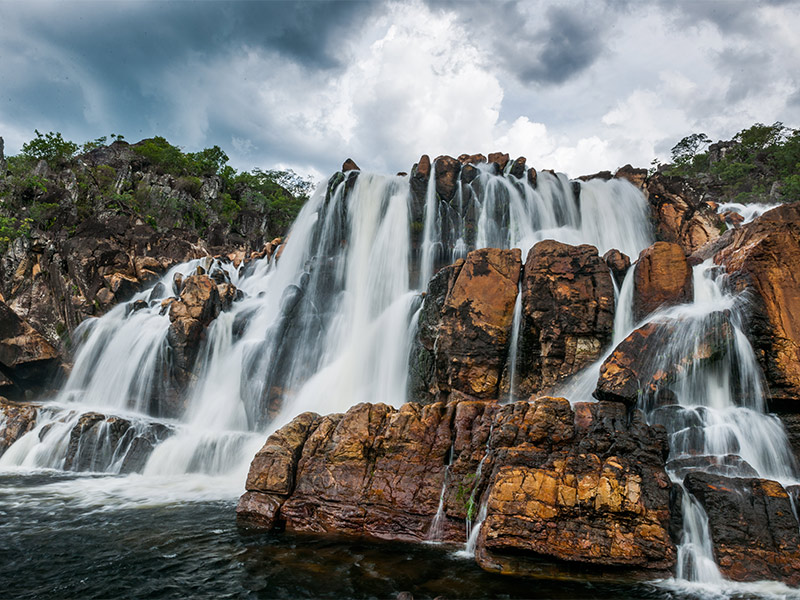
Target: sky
column 573, row 86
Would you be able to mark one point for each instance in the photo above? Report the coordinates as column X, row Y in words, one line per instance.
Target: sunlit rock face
column 762, row 258
column 662, row 277
column 583, row 484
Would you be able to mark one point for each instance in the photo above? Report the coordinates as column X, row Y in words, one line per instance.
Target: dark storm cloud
column 730, row 17
column 544, row 46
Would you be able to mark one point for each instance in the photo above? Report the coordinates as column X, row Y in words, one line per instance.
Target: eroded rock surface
column 662, row 277
column 763, row 259
column 27, row 359
column 584, row 486
column 567, row 314
column 465, row 326
column 15, row 421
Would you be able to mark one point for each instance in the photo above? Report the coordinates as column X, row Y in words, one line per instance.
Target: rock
column 27, row 359
column 447, row 170
column 619, row 264
column 636, row 176
column 643, row 366
column 471, row 159
column 598, row 496
column 500, row 159
column 349, row 165
column 465, row 326
column 532, row 176
column 518, row 168
column 567, row 314
column 604, row 175
column 763, row 259
column 681, row 216
column 199, row 300
column 752, row 524
column 15, row 421
column 586, row 487
column 662, row 277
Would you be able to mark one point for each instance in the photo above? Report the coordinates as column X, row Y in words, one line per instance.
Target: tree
column 683, row 152
column 50, row 147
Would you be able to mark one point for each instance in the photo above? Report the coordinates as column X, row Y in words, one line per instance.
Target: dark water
column 55, row 544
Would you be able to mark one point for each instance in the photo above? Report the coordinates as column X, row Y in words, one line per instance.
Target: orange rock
column 662, row 277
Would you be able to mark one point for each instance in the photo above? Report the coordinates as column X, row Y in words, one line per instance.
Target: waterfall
column 327, row 325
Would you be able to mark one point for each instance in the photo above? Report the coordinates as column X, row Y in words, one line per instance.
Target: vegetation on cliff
column 760, row 164
column 55, row 184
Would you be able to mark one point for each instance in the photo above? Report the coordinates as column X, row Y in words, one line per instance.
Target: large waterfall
column 330, row 324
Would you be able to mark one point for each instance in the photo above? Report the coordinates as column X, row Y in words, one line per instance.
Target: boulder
column 680, row 214
column 585, row 486
column 619, row 264
column 752, row 524
column 567, row 314
column 27, row 360
column 465, row 326
column 637, row 177
column 15, row 421
column 763, row 259
column 662, row 277
column 446, row 169
column 500, row 159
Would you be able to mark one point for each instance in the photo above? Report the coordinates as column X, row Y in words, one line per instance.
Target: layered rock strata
column 583, row 486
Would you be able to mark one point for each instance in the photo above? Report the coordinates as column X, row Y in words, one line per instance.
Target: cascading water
column 327, row 325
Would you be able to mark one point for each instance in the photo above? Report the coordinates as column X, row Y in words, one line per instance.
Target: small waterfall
column 431, row 233
column 513, row 348
column 435, row 533
column 713, row 409
column 747, row 211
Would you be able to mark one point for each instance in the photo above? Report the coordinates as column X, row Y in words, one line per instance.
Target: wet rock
column 15, row 421
column 518, row 168
column 753, row 527
column 350, row 165
column 567, row 314
column 662, row 277
column 585, row 487
column 465, row 326
column 619, row 264
column 98, row 442
column 27, row 360
column 643, row 366
column 199, row 300
column 447, row 170
column 500, row 159
column 681, row 216
column 763, row 259
column 636, row 176
column 532, row 176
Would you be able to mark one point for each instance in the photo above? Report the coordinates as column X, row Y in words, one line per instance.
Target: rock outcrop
column 27, row 360
column 662, row 277
column 680, row 214
column 15, row 421
column 567, row 314
column 465, row 326
column 762, row 259
column 584, row 487
column 752, row 524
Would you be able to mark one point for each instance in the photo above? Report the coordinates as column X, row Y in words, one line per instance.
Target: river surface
column 63, row 536
column 95, row 536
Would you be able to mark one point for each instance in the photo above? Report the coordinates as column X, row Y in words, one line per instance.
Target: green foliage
column 757, row 157
column 93, row 144
column 11, row 228
column 50, row 147
column 160, row 153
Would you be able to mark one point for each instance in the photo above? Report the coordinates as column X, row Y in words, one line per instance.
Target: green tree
column 50, row 147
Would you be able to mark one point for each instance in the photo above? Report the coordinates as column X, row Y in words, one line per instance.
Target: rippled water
column 56, row 543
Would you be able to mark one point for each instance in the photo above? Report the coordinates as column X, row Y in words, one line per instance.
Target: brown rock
column 471, row 159
column 15, row 421
column 465, row 326
column 637, row 177
column 199, row 300
column 681, row 216
column 586, row 486
column 752, row 526
column 500, row 159
column 763, row 257
column 662, row 277
column 619, row 264
column 27, row 358
column 532, row 176
column 567, row 314
column 349, row 165
column 446, row 169
column 518, row 168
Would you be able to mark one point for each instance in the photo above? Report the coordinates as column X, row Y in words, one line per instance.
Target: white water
column 748, row 211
